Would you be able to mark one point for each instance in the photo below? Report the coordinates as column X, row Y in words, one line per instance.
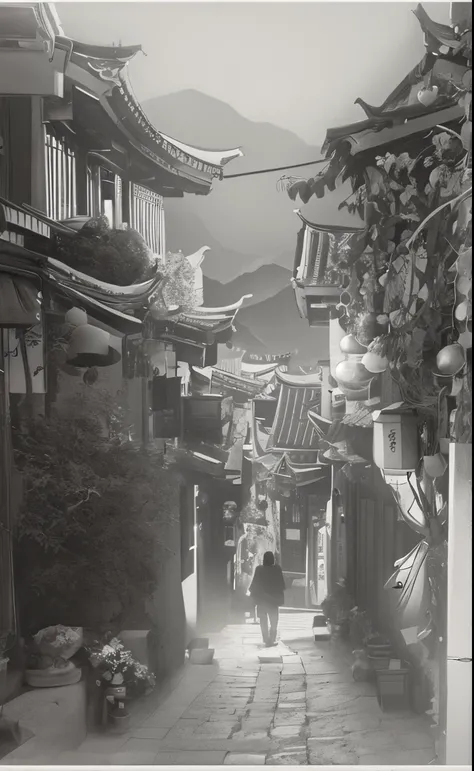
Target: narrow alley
column 295, row 704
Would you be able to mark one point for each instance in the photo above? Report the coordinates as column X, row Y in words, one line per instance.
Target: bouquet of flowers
column 116, row 666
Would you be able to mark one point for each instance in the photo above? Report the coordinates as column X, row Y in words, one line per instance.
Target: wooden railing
column 20, row 222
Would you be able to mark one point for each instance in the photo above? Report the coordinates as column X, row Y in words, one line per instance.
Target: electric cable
column 278, row 168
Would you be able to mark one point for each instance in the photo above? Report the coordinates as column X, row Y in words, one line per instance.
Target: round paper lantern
column 434, row 465
column 374, row 363
column 451, row 359
column 350, row 372
column 76, row 317
column 349, row 344
column 427, row 96
column 90, row 347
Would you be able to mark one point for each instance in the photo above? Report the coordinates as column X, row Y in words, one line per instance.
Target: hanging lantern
column 76, row 317
column 349, row 344
column 352, row 373
column 230, row 512
column 90, row 347
column 374, row 363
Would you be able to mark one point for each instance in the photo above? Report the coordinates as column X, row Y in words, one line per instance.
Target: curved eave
column 206, row 311
column 189, row 169
column 311, row 380
column 300, row 298
column 258, row 369
column 333, row 229
column 377, row 131
column 119, row 54
column 213, row 157
column 196, row 259
column 443, row 34
column 120, row 322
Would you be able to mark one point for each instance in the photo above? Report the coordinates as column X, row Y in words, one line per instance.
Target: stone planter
column 378, row 662
column 201, row 656
column 393, row 692
column 53, row 677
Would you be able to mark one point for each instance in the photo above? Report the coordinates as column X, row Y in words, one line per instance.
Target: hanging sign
column 265, row 358
column 35, row 361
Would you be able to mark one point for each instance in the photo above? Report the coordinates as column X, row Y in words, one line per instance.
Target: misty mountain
column 244, row 340
column 186, row 231
column 246, row 221
column 277, row 323
column 263, row 283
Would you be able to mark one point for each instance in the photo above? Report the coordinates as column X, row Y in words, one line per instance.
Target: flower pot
column 118, row 720
column 201, row 656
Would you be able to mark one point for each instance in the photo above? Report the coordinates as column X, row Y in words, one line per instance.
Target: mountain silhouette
column 263, row 283
column 246, row 221
column 187, row 232
column 277, row 323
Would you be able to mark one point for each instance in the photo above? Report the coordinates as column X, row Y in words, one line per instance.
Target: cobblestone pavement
column 296, row 704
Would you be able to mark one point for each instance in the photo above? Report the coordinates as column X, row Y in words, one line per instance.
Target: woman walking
column 268, row 592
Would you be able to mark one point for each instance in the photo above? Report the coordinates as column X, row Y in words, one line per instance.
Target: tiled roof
column 292, row 429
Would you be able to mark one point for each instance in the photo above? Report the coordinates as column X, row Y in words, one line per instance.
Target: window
column 296, row 516
column 60, row 175
column 148, row 217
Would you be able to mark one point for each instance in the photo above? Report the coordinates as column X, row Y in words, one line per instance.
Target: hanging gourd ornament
column 450, row 360
column 89, row 346
column 375, row 363
column 351, row 373
column 76, row 317
column 427, row 96
column 434, row 465
column 349, row 345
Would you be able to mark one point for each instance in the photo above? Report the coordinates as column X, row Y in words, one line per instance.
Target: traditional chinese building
column 75, row 145
column 317, row 279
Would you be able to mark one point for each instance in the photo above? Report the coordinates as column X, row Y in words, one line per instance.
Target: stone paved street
column 296, row 704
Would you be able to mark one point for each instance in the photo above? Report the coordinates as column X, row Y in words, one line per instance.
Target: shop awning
column 20, row 303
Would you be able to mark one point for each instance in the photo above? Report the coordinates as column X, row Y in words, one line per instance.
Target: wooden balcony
column 18, row 225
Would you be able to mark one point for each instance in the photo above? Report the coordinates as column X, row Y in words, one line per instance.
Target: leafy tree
column 92, row 529
column 112, row 255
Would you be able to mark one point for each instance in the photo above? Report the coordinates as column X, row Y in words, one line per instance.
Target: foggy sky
column 297, row 65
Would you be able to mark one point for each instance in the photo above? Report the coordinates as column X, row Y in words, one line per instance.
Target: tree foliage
column 112, row 255
column 93, row 524
column 179, row 288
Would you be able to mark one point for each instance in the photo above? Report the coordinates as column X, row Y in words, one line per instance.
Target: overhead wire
column 277, row 168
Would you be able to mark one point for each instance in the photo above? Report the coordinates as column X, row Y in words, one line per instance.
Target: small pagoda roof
column 317, row 246
column 332, row 230
column 199, row 326
column 305, row 380
column 246, row 387
column 292, row 429
column 103, row 101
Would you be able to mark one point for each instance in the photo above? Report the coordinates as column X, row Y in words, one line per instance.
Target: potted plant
column 120, row 677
